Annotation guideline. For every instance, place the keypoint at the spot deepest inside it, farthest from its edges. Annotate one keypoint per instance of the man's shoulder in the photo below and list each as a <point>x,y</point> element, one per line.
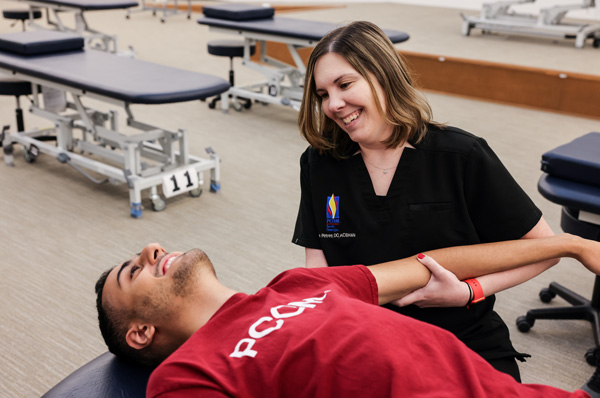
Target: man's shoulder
<point>293,275</point>
<point>354,281</point>
<point>322,273</point>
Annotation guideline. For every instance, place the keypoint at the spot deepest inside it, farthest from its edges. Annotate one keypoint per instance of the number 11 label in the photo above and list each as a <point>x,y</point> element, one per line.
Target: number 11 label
<point>179,182</point>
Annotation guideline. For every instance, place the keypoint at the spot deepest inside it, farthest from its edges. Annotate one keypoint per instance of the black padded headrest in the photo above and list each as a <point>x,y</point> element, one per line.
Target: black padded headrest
<point>578,161</point>
<point>40,42</point>
<point>105,376</point>
<point>238,12</point>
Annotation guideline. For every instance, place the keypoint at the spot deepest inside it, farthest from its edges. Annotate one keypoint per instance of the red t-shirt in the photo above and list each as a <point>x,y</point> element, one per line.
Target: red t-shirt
<point>319,333</point>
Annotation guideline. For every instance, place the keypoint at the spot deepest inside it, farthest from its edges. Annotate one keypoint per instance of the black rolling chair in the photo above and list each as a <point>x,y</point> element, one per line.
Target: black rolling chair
<point>21,15</point>
<point>231,49</point>
<point>572,179</point>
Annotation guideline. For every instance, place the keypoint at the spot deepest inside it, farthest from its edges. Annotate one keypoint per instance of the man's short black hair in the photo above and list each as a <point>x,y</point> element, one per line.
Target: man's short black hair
<point>113,324</point>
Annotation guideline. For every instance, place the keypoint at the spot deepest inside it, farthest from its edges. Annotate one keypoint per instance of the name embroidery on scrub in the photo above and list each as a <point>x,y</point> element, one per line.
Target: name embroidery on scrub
<point>244,346</point>
<point>332,209</point>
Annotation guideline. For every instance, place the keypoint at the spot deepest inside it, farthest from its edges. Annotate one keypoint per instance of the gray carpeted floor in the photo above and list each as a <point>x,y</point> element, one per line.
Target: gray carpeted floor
<point>59,231</point>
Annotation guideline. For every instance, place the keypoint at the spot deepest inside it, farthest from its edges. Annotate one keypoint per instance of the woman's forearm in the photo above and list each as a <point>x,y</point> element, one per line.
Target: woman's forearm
<point>398,278</point>
<point>487,258</point>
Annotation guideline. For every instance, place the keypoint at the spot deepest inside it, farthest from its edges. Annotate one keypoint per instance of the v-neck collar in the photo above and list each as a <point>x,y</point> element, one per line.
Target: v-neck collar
<point>397,186</point>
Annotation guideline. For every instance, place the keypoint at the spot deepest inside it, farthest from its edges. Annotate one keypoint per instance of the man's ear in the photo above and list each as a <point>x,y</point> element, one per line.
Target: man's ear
<point>140,335</point>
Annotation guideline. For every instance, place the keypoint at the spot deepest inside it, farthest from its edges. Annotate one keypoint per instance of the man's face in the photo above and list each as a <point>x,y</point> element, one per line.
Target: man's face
<point>152,285</point>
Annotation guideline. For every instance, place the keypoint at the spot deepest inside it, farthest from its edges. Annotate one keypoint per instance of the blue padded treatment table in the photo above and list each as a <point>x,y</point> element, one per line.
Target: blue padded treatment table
<point>256,24</point>
<point>250,18</point>
<point>126,79</point>
<point>87,5</point>
<point>129,80</point>
<point>144,161</point>
<point>289,27</point>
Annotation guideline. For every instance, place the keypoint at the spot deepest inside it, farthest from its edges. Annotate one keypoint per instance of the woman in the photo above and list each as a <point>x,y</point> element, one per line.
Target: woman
<point>382,180</point>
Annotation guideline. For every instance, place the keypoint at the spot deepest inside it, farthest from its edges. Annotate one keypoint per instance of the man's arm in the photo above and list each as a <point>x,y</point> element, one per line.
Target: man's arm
<point>445,290</point>
<point>397,278</point>
<point>497,282</point>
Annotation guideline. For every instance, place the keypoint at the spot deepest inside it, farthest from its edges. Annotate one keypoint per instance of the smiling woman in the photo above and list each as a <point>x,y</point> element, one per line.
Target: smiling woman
<point>402,183</point>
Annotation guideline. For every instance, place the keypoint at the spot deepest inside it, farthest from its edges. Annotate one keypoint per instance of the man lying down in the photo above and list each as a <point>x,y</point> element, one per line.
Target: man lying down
<point>311,332</point>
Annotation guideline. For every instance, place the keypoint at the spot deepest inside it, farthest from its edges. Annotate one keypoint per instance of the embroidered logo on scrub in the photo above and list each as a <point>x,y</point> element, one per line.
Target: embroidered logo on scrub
<point>333,213</point>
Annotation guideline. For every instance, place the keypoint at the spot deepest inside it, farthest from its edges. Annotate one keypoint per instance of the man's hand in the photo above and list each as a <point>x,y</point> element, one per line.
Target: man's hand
<point>443,289</point>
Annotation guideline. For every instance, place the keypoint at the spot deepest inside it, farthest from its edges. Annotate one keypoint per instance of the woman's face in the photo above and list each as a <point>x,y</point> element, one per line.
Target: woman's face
<point>347,100</point>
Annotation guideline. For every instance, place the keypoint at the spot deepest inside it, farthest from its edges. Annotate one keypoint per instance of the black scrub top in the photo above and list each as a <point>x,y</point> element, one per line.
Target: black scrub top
<point>450,190</point>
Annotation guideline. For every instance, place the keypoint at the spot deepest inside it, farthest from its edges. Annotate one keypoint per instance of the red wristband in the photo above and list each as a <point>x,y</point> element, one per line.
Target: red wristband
<point>477,291</point>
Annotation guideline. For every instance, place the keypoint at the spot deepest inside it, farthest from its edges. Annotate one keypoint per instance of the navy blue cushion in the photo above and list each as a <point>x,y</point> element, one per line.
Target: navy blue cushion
<point>40,42</point>
<point>12,86</point>
<point>577,161</point>
<point>228,48</point>
<point>238,12</point>
<point>21,14</point>
<point>570,193</point>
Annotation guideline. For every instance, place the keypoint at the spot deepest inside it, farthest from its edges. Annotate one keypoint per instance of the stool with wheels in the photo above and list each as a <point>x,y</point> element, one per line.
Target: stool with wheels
<point>10,85</point>
<point>572,179</point>
<point>15,87</point>
<point>21,15</point>
<point>231,49</point>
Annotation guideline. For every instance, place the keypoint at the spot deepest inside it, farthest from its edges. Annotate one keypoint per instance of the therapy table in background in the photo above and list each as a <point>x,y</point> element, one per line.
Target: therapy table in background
<point>166,12</point>
<point>501,16</point>
<point>154,157</point>
<point>259,25</point>
<point>93,38</point>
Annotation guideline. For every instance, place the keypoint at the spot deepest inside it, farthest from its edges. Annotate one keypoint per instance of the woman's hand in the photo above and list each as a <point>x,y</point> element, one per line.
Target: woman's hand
<point>443,289</point>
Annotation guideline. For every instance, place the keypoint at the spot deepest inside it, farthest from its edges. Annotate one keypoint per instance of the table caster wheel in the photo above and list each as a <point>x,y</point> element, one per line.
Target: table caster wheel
<point>194,193</point>
<point>158,203</point>
<point>31,154</point>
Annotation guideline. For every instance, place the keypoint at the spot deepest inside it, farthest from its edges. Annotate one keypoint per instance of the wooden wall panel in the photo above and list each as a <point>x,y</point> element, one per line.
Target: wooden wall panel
<point>550,90</point>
